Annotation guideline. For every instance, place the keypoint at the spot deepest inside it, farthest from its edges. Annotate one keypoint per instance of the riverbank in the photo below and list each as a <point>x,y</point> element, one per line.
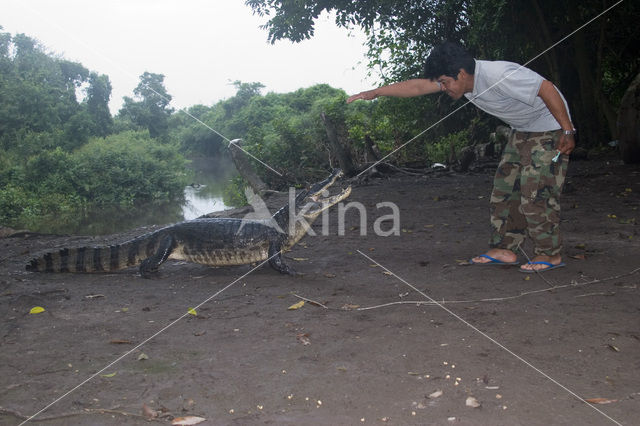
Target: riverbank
<point>365,348</point>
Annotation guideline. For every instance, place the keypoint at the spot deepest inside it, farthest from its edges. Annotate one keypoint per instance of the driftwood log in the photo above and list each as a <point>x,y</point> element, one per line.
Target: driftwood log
<point>341,152</point>
<point>245,168</point>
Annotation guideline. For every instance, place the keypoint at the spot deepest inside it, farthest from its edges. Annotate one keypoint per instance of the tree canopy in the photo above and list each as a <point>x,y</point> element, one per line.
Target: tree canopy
<point>593,66</point>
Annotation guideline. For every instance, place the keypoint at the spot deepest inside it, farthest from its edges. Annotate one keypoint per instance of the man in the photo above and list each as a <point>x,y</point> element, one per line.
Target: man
<point>529,178</point>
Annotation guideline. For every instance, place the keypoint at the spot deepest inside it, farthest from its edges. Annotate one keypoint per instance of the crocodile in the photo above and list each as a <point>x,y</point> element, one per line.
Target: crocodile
<point>207,241</point>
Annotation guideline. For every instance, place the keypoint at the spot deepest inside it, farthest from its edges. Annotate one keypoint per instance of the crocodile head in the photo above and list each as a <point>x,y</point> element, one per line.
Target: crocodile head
<point>318,199</point>
<point>308,205</point>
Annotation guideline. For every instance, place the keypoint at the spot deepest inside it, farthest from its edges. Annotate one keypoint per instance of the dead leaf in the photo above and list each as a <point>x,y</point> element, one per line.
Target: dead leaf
<point>300,259</point>
<point>148,412</point>
<point>142,356</point>
<point>304,338</point>
<point>600,400</point>
<point>187,420</point>
<point>387,273</point>
<point>613,348</point>
<point>328,275</point>
<point>295,306</point>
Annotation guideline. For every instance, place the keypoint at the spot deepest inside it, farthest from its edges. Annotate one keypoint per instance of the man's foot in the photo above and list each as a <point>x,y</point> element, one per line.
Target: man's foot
<point>496,257</point>
<point>542,263</point>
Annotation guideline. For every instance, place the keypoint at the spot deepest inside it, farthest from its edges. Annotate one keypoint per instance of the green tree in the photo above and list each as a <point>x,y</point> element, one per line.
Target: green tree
<point>97,101</point>
<point>150,109</point>
<point>593,67</point>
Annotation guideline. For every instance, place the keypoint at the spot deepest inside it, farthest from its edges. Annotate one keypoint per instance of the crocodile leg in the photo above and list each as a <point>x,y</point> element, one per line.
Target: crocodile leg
<point>150,265</point>
<point>275,260</point>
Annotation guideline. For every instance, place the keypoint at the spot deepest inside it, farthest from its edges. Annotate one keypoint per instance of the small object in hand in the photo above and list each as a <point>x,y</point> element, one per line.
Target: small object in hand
<point>557,157</point>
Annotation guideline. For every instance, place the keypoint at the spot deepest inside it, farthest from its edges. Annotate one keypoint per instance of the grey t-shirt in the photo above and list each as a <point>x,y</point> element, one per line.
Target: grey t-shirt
<point>510,92</point>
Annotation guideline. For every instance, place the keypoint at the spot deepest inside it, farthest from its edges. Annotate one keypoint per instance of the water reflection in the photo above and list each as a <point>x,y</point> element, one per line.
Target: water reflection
<point>200,200</point>
<point>202,197</point>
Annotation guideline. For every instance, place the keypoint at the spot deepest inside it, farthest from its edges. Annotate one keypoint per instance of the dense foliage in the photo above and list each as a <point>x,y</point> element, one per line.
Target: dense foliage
<point>593,66</point>
<point>61,149</point>
<point>59,154</point>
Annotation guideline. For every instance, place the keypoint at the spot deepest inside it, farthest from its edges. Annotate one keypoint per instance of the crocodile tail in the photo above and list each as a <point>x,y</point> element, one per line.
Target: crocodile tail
<point>96,259</point>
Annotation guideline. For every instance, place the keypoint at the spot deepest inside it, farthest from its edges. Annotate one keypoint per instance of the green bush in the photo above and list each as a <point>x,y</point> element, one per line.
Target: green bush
<point>447,147</point>
<point>233,193</point>
<point>127,168</point>
<point>120,169</point>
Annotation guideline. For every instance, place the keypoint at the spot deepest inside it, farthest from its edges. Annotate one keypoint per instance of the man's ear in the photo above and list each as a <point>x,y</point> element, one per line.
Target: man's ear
<point>467,78</point>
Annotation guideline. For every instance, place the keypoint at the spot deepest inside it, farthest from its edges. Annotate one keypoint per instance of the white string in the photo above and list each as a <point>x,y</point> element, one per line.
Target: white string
<point>130,75</point>
<point>162,330</point>
<point>491,339</point>
<point>490,87</point>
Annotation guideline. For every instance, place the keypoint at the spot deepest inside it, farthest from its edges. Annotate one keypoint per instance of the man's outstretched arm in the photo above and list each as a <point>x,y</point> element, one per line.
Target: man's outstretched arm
<point>403,89</point>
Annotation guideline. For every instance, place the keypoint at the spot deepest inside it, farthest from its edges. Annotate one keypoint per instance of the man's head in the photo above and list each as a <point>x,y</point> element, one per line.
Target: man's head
<point>453,67</point>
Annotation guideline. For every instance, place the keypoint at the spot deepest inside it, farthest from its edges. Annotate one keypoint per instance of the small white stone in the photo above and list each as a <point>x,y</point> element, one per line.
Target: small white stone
<point>472,402</point>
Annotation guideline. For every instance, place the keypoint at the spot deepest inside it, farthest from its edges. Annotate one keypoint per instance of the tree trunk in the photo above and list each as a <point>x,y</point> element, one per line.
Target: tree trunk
<point>371,153</point>
<point>342,154</point>
<point>245,168</point>
<point>629,123</point>
<point>589,116</point>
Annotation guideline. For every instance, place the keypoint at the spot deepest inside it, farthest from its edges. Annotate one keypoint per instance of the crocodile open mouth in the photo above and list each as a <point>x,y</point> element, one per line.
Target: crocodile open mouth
<point>320,203</point>
<point>319,198</point>
<point>319,189</point>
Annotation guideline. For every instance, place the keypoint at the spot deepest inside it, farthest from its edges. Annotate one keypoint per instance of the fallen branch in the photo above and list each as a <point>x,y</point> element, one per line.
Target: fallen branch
<point>19,415</point>
<point>313,302</point>
<point>500,299</point>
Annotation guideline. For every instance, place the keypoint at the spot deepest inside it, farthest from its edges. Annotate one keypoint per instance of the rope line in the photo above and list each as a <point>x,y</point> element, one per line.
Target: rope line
<point>132,76</point>
<point>492,86</point>
<point>491,339</point>
<point>145,341</point>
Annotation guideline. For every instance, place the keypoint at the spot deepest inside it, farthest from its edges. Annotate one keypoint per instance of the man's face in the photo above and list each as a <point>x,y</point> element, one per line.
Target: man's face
<point>455,88</point>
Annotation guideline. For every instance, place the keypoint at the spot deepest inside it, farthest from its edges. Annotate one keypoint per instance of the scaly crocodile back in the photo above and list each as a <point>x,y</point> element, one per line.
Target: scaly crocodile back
<point>98,259</point>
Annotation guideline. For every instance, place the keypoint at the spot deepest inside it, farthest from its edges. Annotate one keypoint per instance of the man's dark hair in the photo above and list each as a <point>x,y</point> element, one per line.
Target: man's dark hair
<point>447,59</point>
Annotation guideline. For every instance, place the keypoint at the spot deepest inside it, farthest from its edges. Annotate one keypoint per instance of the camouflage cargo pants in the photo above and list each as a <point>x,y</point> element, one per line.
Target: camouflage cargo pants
<point>526,192</point>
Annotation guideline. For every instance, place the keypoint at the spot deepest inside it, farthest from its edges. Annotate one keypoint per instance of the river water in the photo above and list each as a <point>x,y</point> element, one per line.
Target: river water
<point>203,196</point>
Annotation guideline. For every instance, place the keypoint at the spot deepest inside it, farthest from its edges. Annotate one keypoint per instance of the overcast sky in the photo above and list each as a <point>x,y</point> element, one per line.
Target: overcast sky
<point>200,46</point>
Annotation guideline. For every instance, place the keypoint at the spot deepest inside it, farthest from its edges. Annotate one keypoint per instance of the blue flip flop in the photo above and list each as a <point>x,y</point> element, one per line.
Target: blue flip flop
<point>549,267</point>
<point>492,261</point>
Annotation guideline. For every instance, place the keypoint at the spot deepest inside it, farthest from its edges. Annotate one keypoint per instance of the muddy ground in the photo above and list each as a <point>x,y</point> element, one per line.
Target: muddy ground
<point>108,345</point>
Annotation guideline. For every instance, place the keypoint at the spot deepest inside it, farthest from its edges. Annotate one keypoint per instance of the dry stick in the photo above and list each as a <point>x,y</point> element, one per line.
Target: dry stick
<point>501,299</point>
<point>162,330</point>
<point>491,339</point>
<point>313,302</point>
<point>86,411</point>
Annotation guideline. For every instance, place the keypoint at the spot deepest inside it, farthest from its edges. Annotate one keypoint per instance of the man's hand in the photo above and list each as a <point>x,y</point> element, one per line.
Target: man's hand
<point>366,95</point>
<point>566,143</point>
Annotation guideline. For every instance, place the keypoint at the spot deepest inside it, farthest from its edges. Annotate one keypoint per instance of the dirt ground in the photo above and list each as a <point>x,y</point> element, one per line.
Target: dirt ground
<point>114,349</point>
